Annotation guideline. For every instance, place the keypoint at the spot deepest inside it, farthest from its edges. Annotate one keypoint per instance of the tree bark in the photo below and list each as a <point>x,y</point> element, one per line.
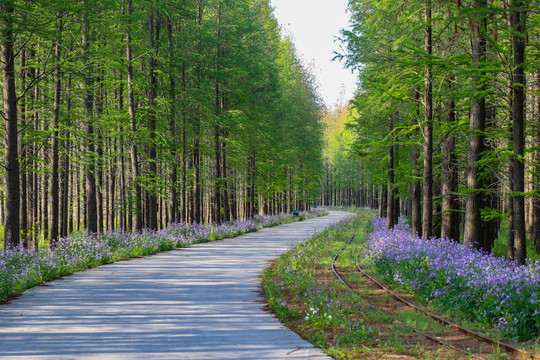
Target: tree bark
<point>518,89</point>
<point>473,222</point>
<point>91,207</point>
<point>137,223</point>
<point>391,220</point>
<point>427,219</point>
<point>11,229</point>
<point>536,181</point>
<point>152,211</point>
<point>55,157</point>
<point>23,152</point>
<point>218,104</point>
<point>197,193</point>
<point>450,204</point>
<point>173,210</point>
<point>416,215</point>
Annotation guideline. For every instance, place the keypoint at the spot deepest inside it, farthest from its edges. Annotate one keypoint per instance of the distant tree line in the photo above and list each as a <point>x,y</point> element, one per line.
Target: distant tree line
<point>347,179</point>
<point>135,114</point>
<point>449,111</point>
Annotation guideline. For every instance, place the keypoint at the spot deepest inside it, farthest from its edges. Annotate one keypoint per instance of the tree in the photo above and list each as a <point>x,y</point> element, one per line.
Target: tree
<point>11,229</point>
<point>518,90</point>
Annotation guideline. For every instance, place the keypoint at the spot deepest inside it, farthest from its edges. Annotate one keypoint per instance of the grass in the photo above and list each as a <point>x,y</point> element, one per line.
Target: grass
<point>303,292</point>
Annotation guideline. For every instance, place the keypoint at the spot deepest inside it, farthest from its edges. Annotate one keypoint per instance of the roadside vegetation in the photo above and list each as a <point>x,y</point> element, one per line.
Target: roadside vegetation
<point>303,292</point>
<point>22,268</point>
<point>477,286</point>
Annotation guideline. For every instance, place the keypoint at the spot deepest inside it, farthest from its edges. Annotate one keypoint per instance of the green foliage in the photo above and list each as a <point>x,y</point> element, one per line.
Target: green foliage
<point>212,79</point>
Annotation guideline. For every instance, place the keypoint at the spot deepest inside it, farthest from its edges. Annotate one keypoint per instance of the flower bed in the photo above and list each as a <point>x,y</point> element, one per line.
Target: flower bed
<point>21,268</point>
<point>292,274</point>
<point>482,287</point>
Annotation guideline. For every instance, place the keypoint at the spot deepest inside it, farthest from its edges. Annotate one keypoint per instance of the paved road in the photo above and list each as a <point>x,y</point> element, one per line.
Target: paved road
<point>200,302</point>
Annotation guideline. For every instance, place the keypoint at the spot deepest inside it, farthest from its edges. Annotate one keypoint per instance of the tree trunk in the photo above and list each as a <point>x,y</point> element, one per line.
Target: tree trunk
<point>55,158</point>
<point>91,208</point>
<point>173,211</point>
<point>518,89</point>
<point>450,204</point>
<point>536,181</point>
<point>218,104</point>
<point>197,193</point>
<point>226,205</point>
<point>427,219</point>
<point>152,210</point>
<point>11,229</point>
<point>391,220</point>
<point>137,224</point>
<point>24,174</point>
<point>65,217</point>
<point>416,184</point>
<point>473,222</point>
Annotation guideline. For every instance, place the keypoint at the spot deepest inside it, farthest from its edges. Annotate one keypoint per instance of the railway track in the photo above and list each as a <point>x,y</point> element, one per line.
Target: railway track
<point>512,351</point>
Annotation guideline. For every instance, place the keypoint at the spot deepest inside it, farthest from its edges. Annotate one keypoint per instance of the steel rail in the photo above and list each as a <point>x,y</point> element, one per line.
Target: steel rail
<point>493,342</point>
<point>428,336</point>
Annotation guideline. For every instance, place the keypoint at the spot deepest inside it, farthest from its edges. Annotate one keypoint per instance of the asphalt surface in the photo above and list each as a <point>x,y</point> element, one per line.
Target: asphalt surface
<point>200,302</point>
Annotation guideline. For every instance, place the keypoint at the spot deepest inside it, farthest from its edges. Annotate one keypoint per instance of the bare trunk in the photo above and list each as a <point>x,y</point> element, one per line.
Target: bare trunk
<point>11,229</point>
<point>473,222</point>
<point>137,223</point>
<point>416,185</point>
<point>55,158</point>
<point>518,86</point>
<point>391,220</point>
<point>152,210</point>
<point>91,208</point>
<point>427,223</point>
<point>197,194</point>
<point>450,204</point>
<point>536,181</point>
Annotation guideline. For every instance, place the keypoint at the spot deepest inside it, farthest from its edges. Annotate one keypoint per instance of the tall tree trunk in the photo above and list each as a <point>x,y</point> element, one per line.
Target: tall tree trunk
<point>173,210</point>
<point>473,222</point>
<point>197,194</point>
<point>518,86</point>
<point>450,203</point>
<point>24,174</point>
<point>36,170</point>
<point>536,181</point>
<point>383,204</point>
<point>226,205</point>
<point>11,229</point>
<point>218,104</point>
<point>427,219</point>
<point>251,205</point>
<point>184,195</point>
<point>111,206</point>
<point>391,220</point>
<point>91,208</point>
<point>137,224</point>
<point>65,176</point>
<point>417,174</point>
<point>152,211</point>
<point>55,157</point>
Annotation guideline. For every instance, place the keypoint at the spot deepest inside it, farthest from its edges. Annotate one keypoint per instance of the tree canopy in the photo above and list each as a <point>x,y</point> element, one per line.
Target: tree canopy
<point>139,113</point>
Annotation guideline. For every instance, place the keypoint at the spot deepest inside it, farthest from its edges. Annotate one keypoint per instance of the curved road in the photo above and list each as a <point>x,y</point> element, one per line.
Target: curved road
<point>200,302</point>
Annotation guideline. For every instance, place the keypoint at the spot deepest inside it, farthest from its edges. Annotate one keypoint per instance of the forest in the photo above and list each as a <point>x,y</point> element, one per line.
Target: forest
<point>446,125</point>
<point>136,114</point>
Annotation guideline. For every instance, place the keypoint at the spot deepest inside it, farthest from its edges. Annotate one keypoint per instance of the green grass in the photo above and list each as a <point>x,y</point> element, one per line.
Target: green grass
<point>348,331</point>
<point>500,247</point>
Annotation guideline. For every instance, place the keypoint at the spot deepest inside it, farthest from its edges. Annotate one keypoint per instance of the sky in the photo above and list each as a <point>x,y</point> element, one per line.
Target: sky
<point>313,26</point>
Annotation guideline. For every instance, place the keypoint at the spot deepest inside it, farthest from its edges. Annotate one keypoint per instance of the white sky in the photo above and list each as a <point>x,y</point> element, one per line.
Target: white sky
<point>314,25</point>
